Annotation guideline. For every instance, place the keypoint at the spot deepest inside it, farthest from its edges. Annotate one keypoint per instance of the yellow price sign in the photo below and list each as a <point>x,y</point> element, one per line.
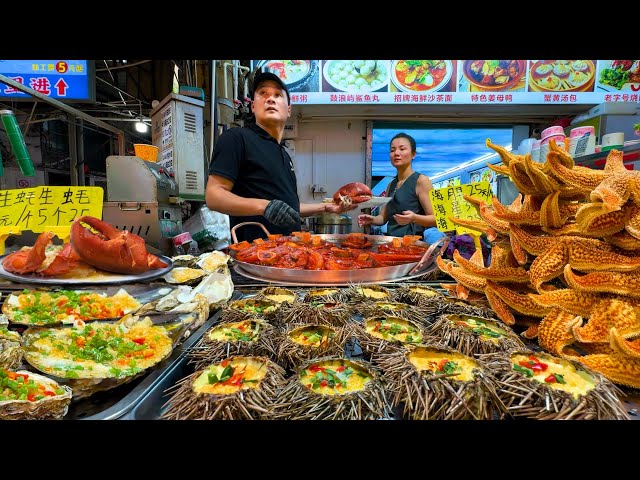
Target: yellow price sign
<point>449,202</point>
<point>48,208</point>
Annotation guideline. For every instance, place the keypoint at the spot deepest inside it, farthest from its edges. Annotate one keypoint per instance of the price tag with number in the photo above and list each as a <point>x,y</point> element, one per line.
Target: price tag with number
<point>449,202</point>
<point>47,208</point>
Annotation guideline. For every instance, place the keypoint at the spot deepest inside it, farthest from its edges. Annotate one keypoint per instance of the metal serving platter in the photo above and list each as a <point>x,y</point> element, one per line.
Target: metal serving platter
<point>101,279</point>
<point>289,276</point>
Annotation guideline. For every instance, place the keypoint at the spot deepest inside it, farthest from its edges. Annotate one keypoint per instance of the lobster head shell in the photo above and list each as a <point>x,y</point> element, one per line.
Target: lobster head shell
<point>351,193</point>
<point>110,249</point>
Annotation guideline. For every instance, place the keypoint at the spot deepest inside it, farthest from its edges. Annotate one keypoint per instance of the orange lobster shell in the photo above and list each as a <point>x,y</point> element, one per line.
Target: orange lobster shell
<point>350,193</point>
<point>111,249</point>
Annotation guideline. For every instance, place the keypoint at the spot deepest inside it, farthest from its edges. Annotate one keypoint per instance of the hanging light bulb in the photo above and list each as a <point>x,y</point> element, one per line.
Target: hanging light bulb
<point>141,126</point>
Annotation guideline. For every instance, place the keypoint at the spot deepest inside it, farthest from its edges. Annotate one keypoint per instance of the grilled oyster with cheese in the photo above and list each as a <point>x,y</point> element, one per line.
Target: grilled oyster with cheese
<point>541,386</point>
<point>471,334</point>
<point>250,336</point>
<point>333,388</point>
<point>29,396</point>
<point>98,355</point>
<point>10,349</point>
<point>443,384</point>
<point>38,307</point>
<point>235,388</point>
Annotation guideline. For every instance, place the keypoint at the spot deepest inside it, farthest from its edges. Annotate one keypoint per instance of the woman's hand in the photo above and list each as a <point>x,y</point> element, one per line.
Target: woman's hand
<point>333,208</point>
<point>365,219</point>
<point>404,218</point>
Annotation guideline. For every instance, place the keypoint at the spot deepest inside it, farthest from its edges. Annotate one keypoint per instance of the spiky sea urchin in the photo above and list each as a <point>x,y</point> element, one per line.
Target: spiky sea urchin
<point>328,294</point>
<point>358,293</point>
<point>395,309</point>
<point>298,344</point>
<point>236,388</point>
<point>544,387</point>
<point>386,333</point>
<point>251,336</point>
<point>279,295</point>
<point>249,308</point>
<point>470,334</point>
<point>333,388</point>
<point>316,312</point>
<point>454,305</point>
<point>439,383</point>
<point>420,295</point>
<point>10,349</point>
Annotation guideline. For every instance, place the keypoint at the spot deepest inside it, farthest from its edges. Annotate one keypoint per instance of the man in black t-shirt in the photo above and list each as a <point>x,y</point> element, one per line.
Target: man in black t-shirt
<point>251,175</point>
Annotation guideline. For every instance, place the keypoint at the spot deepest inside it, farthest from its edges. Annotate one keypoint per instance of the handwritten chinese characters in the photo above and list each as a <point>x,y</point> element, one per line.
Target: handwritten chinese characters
<point>449,202</point>
<point>39,208</point>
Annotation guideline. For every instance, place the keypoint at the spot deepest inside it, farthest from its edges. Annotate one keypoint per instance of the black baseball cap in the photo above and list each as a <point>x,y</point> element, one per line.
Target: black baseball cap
<point>260,77</point>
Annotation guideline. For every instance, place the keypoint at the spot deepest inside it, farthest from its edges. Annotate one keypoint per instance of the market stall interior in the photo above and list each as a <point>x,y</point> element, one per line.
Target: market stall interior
<point>138,302</point>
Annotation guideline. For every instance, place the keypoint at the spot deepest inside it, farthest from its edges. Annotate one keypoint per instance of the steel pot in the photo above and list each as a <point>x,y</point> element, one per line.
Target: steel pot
<point>331,223</point>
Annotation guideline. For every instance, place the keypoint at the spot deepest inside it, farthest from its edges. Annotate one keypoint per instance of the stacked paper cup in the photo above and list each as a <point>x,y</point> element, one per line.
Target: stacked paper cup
<point>552,133</point>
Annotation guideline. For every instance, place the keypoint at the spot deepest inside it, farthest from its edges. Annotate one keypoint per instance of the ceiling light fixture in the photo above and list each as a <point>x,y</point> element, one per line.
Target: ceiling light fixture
<point>141,127</point>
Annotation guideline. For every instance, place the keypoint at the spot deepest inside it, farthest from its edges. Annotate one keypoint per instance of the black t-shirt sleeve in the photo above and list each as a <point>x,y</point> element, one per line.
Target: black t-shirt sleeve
<point>228,156</point>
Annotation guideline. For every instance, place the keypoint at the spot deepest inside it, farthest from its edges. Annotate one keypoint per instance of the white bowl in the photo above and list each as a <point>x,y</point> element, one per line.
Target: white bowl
<point>350,75</point>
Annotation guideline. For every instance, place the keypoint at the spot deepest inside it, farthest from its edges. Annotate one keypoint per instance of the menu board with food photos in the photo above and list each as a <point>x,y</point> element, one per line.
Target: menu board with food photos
<point>457,81</point>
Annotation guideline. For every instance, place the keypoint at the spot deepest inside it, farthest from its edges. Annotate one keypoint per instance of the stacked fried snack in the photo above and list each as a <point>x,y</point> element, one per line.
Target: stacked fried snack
<point>566,251</point>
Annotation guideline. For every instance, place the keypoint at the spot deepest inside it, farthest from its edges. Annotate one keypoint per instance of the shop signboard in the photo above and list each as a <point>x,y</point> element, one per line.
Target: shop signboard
<point>64,80</point>
<point>457,81</point>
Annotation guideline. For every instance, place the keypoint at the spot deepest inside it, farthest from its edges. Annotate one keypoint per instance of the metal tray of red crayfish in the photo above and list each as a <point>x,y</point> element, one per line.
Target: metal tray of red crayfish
<point>422,264</point>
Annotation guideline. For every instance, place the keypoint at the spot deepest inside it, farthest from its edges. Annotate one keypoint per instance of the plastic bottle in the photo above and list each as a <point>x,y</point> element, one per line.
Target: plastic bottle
<point>193,249</point>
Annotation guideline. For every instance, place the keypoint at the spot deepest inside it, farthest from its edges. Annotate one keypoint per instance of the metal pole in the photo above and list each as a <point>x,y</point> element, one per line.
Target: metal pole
<point>72,111</point>
<point>73,149</point>
<point>80,169</point>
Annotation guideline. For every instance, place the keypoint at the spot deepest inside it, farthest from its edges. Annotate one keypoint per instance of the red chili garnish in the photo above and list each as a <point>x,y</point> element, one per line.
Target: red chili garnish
<point>340,368</point>
<point>442,364</point>
<point>139,340</point>
<point>551,379</point>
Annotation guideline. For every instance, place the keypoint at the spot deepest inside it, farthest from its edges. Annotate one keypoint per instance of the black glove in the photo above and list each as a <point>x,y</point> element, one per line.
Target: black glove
<point>282,215</point>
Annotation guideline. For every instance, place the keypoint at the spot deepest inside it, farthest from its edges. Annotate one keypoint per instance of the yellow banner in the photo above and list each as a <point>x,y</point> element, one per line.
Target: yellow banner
<point>449,202</point>
<point>43,208</point>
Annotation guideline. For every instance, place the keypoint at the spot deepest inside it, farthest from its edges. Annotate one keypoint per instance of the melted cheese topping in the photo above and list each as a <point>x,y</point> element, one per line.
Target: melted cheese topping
<point>312,335</point>
<point>391,306</point>
<point>438,362</point>
<point>485,330</point>
<point>66,306</point>
<point>423,291</point>
<point>324,292</point>
<point>98,350</point>
<point>182,275</point>
<point>393,328</point>
<point>253,306</point>
<point>371,293</point>
<point>245,331</point>
<point>231,376</point>
<point>578,382</point>
<point>334,377</point>
<point>280,298</point>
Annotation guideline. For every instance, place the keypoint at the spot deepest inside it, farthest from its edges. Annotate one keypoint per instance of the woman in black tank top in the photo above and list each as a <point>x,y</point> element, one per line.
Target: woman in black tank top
<point>409,211</point>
